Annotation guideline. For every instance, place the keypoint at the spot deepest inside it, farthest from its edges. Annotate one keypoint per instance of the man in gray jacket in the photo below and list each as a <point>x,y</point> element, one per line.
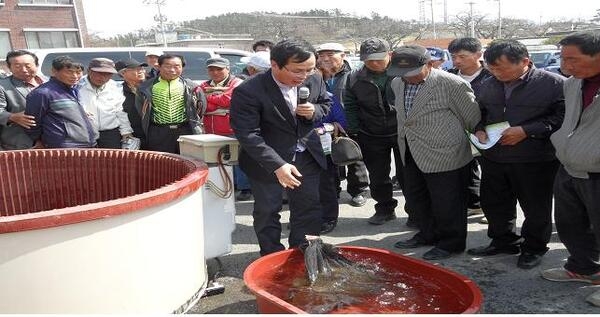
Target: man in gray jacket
<point>577,182</point>
<point>434,109</point>
<point>13,90</point>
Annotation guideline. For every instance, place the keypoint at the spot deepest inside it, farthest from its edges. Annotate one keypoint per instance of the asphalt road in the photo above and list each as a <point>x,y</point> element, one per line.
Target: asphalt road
<point>506,288</point>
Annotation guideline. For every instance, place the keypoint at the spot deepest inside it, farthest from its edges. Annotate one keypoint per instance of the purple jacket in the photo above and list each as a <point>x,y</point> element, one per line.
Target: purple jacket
<point>60,119</point>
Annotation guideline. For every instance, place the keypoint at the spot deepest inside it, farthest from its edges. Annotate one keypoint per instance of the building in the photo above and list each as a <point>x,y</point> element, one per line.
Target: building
<point>41,24</point>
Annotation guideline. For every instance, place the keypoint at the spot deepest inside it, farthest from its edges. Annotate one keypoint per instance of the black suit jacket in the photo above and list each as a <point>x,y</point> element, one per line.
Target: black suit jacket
<point>267,130</point>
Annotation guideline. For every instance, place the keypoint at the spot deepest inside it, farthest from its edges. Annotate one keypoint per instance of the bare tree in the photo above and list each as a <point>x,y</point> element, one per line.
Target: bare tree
<point>596,18</point>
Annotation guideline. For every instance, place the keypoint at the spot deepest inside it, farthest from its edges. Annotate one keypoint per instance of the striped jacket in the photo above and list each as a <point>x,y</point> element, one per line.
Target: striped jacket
<point>435,127</point>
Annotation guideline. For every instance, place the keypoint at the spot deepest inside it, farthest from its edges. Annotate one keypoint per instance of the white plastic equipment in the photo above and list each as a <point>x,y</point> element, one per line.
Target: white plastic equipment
<point>219,153</point>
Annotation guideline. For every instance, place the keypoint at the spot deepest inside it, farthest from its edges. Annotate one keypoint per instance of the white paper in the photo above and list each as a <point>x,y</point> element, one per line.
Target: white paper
<point>326,142</point>
<point>494,133</point>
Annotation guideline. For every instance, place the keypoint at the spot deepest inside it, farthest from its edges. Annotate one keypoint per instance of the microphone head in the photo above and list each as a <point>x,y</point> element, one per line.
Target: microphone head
<point>303,93</point>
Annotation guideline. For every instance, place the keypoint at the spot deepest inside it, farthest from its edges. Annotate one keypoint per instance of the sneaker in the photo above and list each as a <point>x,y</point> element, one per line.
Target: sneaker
<point>594,298</point>
<point>358,201</point>
<point>379,219</point>
<point>562,275</point>
<point>245,195</point>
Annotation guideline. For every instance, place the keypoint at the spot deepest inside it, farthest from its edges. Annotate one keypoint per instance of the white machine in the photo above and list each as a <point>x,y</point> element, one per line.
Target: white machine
<point>219,153</point>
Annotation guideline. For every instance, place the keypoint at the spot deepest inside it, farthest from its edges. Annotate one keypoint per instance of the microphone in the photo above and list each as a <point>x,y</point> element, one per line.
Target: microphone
<point>303,94</point>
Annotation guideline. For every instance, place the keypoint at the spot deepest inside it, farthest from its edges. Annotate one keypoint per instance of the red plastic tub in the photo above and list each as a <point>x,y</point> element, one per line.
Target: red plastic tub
<point>453,293</point>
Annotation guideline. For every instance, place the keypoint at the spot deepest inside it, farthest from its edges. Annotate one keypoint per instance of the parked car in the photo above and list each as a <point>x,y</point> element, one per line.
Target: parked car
<point>195,57</point>
<point>354,61</point>
<point>234,56</point>
<point>543,59</point>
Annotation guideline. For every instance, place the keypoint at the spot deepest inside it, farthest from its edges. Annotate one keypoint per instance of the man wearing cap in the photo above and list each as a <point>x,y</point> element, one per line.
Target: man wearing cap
<point>61,121</point>
<point>372,122</point>
<point>434,110</point>
<point>258,62</point>
<point>103,100</point>
<point>169,106</point>
<point>218,90</point>
<point>152,61</point>
<point>335,70</point>
<point>133,74</point>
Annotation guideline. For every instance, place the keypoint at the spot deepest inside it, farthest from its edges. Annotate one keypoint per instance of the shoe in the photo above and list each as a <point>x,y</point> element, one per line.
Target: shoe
<point>328,226</point>
<point>474,210</point>
<point>245,195</point>
<point>358,201</point>
<point>411,224</point>
<point>379,219</point>
<point>411,243</point>
<point>594,298</point>
<point>529,260</point>
<point>436,254</point>
<point>563,275</point>
<point>483,221</point>
<point>493,250</point>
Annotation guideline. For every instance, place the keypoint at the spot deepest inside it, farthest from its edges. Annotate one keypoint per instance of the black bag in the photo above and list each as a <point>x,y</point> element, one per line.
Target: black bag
<point>344,150</point>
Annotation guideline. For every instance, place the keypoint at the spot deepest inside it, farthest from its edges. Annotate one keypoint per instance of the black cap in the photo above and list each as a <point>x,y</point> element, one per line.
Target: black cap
<point>373,49</point>
<point>408,61</point>
<point>217,62</point>
<point>130,63</point>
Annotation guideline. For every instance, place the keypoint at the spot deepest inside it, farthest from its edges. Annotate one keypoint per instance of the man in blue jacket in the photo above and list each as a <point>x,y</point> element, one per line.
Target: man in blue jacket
<point>61,121</point>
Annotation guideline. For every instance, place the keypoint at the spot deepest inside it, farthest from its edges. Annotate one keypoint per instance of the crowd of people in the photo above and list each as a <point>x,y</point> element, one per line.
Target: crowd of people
<point>290,98</point>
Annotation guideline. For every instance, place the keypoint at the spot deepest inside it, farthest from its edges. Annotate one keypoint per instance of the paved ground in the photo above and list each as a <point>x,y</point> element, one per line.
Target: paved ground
<point>506,288</point>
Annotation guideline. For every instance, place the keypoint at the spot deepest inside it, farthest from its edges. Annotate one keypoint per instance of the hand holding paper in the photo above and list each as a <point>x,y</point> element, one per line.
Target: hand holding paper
<point>494,133</point>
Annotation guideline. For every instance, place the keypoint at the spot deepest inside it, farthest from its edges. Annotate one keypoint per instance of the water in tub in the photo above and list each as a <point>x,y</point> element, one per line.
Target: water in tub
<point>334,281</point>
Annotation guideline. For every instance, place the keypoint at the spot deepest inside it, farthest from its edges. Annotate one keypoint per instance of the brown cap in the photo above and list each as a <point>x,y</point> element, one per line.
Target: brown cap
<point>102,65</point>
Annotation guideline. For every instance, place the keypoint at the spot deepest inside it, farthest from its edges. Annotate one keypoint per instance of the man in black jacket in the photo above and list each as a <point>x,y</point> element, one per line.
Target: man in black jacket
<point>522,165</point>
<point>372,121</point>
<point>466,54</point>
<point>279,148</point>
<point>133,74</point>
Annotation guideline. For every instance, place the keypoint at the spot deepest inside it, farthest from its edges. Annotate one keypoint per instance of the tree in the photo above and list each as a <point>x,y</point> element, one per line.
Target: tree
<point>596,18</point>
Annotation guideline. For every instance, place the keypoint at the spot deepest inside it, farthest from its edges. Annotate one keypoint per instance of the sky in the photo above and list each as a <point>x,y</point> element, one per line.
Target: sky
<point>111,17</point>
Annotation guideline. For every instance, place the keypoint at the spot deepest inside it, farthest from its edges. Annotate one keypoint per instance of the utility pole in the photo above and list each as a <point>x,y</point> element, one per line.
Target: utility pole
<point>160,18</point>
<point>446,12</point>
<point>499,19</point>
<point>433,20</point>
<point>472,20</point>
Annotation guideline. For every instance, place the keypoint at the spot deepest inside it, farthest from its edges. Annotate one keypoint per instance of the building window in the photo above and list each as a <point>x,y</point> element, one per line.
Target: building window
<point>43,2</point>
<point>52,39</point>
<point>5,46</point>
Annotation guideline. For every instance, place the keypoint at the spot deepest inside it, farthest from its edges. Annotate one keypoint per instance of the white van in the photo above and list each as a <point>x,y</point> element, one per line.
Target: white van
<point>195,57</point>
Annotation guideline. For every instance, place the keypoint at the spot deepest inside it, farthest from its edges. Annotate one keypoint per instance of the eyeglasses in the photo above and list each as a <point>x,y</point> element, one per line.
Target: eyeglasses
<point>300,72</point>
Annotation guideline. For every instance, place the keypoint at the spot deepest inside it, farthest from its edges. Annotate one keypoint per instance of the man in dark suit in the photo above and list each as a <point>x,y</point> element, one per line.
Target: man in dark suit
<point>13,90</point>
<point>279,149</point>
